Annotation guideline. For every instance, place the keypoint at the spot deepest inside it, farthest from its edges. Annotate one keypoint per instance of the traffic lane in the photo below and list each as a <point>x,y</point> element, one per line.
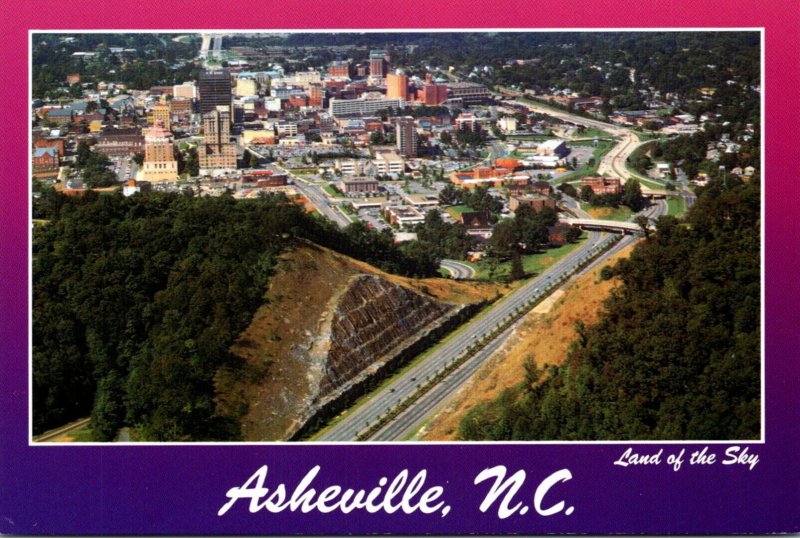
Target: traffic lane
<point>457,269</point>
<point>349,428</point>
<point>445,355</point>
<point>411,419</point>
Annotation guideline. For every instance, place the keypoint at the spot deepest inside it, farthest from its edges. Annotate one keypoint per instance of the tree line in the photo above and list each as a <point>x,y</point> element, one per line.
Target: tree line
<point>136,301</point>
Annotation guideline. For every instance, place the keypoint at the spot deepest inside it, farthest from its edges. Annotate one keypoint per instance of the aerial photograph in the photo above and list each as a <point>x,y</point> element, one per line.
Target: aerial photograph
<point>429,236</point>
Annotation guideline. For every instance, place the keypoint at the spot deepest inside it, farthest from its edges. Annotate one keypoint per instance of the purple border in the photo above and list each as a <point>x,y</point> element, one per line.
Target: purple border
<point>170,490</point>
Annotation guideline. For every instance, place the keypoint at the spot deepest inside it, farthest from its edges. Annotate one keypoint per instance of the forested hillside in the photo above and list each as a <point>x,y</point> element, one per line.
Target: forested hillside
<point>137,300</point>
<point>676,354</point>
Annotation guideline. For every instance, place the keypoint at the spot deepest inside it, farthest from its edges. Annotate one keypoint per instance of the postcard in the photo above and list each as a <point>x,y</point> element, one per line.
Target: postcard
<point>475,270</point>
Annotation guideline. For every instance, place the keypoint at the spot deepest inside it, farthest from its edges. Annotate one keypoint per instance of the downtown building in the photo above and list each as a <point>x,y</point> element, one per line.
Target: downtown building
<point>378,63</point>
<point>214,88</point>
<point>217,152</point>
<point>160,165</point>
<point>364,106</point>
<point>470,93</point>
<point>397,85</point>
<point>406,137</point>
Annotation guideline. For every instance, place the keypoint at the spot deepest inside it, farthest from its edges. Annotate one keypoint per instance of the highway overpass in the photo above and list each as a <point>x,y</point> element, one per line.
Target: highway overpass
<point>605,225</point>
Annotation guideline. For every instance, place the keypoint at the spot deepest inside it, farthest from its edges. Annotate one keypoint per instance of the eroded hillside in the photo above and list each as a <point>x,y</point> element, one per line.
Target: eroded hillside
<point>327,322</point>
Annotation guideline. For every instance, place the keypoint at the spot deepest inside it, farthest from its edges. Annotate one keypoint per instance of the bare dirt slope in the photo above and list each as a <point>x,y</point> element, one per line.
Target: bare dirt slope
<point>320,308</point>
<point>544,334</point>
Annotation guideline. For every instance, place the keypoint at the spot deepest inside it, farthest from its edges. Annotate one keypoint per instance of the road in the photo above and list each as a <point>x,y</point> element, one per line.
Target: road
<point>315,195</point>
<point>358,420</point>
<point>613,163</point>
<point>459,270</point>
<point>407,423</point>
<point>615,130</point>
<point>52,435</point>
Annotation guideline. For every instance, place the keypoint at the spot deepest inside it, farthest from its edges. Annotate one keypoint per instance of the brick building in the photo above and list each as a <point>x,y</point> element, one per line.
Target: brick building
<point>602,185</point>
<point>537,202</point>
<point>45,162</point>
<point>119,142</point>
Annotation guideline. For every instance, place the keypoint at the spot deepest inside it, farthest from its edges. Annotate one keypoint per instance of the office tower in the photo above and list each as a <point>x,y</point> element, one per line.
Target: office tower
<point>378,63</point>
<point>397,85</point>
<point>406,136</point>
<point>217,152</point>
<point>215,90</point>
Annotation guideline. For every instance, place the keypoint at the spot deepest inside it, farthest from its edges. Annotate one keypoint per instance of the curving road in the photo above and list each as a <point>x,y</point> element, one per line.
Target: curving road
<point>458,269</point>
<point>613,163</point>
<point>380,403</point>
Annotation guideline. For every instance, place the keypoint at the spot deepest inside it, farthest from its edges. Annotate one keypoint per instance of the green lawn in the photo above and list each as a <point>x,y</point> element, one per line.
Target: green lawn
<point>331,191</point>
<point>591,133</point>
<point>531,137</point>
<point>620,213</point>
<point>676,206</point>
<point>456,210</point>
<point>533,264</point>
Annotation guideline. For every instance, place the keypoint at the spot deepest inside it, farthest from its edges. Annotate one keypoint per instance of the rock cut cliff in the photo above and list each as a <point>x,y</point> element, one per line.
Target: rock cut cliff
<point>329,322</point>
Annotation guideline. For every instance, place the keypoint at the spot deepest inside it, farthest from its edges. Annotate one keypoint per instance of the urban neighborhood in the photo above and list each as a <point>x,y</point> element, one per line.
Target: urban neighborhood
<point>396,236</point>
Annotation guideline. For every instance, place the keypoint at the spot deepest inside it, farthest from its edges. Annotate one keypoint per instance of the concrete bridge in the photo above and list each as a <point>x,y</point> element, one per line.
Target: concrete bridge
<point>605,225</point>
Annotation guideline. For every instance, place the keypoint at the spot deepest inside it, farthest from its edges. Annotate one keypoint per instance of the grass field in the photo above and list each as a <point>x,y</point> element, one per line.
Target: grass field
<point>676,206</point>
<point>456,210</point>
<point>620,213</point>
<point>591,133</point>
<point>533,264</point>
<point>330,191</point>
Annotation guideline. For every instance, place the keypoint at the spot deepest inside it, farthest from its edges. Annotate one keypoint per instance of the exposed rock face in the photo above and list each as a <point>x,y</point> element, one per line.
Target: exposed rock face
<point>372,318</point>
<point>325,329</point>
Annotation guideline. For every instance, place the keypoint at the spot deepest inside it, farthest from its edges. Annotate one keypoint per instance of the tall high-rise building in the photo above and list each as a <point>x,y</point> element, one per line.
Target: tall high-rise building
<point>215,90</point>
<point>397,85</point>
<point>378,63</point>
<point>406,136</point>
<point>159,164</point>
<point>161,113</point>
<point>217,151</point>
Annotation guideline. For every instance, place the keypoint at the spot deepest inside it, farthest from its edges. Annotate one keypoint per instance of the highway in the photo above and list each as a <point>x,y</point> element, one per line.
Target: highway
<point>458,269</point>
<point>615,130</point>
<point>613,163</point>
<point>380,403</point>
<point>317,197</point>
<point>52,435</point>
<point>407,423</point>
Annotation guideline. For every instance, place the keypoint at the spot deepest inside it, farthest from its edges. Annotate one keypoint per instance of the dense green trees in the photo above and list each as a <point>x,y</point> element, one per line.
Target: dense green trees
<point>94,167</point>
<point>676,354</point>
<point>443,239</point>
<point>137,300</point>
<point>630,196</point>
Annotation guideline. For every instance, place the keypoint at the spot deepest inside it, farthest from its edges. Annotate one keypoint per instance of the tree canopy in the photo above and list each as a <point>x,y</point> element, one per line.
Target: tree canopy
<point>676,353</point>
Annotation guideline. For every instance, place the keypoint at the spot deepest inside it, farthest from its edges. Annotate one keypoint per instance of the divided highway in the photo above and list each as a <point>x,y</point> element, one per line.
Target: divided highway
<point>407,423</point>
<point>380,403</point>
